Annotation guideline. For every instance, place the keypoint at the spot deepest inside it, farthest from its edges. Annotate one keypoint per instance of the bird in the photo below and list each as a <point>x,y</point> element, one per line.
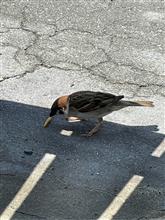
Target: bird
<point>86,105</point>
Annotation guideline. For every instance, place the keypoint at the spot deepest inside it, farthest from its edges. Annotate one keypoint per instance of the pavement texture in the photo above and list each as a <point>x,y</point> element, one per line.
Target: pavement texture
<point>50,48</point>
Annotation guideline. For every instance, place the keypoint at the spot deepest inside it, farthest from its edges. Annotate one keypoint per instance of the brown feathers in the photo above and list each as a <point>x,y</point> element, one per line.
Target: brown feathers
<point>137,103</point>
<point>88,104</point>
<point>145,103</point>
<point>62,101</point>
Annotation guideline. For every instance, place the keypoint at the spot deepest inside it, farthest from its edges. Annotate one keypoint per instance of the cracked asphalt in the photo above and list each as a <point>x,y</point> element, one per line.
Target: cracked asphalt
<point>50,48</point>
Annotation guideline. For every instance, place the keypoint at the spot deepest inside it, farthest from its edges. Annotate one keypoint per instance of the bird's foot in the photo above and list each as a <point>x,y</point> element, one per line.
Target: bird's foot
<point>90,133</point>
<point>94,130</point>
<point>87,134</point>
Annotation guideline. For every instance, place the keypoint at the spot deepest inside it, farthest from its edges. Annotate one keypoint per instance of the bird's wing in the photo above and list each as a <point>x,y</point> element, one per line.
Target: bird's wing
<point>87,101</point>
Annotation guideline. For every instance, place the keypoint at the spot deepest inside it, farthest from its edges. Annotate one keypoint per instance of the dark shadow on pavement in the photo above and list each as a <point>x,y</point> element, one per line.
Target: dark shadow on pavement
<point>87,173</point>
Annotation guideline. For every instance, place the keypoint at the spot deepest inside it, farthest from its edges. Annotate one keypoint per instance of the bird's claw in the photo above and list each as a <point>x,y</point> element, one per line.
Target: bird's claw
<point>88,134</point>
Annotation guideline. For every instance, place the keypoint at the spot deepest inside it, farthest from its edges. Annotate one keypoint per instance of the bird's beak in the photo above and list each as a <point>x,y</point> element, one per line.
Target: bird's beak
<point>47,122</point>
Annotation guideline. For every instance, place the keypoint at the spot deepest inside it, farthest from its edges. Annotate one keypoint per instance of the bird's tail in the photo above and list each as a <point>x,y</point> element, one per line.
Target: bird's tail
<point>144,103</point>
<point>139,103</point>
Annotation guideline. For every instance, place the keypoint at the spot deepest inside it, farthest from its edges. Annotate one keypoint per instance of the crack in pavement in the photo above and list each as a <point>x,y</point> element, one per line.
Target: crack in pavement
<point>91,69</point>
<point>18,76</point>
<point>80,67</point>
<point>32,215</point>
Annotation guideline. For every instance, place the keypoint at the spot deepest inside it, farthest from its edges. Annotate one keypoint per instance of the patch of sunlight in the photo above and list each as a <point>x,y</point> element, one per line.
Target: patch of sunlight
<point>154,16</point>
<point>66,133</point>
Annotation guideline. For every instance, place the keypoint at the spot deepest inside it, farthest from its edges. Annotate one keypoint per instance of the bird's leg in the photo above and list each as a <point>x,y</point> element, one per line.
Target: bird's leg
<point>95,129</point>
<point>66,117</point>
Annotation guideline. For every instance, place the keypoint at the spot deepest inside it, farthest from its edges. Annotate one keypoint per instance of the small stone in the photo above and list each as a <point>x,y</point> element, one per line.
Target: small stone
<point>28,152</point>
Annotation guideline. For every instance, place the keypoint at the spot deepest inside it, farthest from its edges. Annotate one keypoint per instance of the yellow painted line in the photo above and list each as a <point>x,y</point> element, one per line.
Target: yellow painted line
<point>28,186</point>
<point>160,150</point>
<point>121,198</point>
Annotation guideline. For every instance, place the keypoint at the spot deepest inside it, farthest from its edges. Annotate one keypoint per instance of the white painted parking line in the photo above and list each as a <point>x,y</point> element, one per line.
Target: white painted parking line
<point>121,198</point>
<point>160,150</point>
<point>28,186</point>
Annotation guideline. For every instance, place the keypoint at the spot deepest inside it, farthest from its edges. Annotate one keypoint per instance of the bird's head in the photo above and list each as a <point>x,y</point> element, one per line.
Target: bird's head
<point>58,107</point>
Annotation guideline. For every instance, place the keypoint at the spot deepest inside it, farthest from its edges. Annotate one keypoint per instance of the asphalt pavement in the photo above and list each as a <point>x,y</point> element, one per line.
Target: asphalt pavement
<point>52,48</point>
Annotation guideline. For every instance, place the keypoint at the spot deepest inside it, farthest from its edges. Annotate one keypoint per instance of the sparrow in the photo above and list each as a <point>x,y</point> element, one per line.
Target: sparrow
<point>85,105</point>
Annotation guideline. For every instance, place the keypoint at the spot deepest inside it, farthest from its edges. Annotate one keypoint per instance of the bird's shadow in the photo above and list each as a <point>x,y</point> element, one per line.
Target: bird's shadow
<point>87,173</point>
